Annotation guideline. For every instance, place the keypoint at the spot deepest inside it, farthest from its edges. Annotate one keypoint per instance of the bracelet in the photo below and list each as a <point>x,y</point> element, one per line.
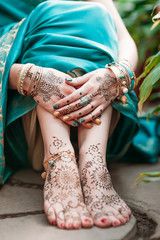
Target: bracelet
<point>125,77</point>
<point>22,77</point>
<point>129,67</point>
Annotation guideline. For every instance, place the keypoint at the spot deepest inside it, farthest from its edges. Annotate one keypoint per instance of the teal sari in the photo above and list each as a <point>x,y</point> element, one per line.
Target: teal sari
<point>69,36</point>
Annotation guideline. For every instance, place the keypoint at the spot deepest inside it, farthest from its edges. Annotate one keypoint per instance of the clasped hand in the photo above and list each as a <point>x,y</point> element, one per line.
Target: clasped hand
<point>94,92</point>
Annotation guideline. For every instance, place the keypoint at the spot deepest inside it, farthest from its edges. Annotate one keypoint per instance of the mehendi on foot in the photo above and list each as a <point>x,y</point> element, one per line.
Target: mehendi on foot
<point>63,199</point>
<point>102,201</point>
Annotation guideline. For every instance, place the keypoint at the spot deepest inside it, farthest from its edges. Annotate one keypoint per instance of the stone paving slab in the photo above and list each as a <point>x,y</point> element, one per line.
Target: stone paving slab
<point>28,176</point>
<point>144,194</point>
<point>15,199</point>
<point>37,227</point>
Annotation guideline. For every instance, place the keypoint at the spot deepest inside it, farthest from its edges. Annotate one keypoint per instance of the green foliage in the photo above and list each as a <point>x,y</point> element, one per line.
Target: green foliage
<point>152,76</point>
<point>136,15</point>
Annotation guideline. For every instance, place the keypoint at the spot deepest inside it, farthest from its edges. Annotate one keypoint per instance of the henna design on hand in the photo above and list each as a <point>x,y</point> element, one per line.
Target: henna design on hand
<point>47,85</point>
<point>108,87</point>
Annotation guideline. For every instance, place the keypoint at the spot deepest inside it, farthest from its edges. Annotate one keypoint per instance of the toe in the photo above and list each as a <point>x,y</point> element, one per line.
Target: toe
<point>49,210</point>
<point>76,220</point>
<point>101,220</point>
<point>68,220</point>
<point>86,220</point>
<point>59,211</point>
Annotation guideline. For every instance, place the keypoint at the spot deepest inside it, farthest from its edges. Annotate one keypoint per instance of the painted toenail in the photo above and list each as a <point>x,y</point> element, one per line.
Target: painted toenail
<point>87,220</point>
<point>62,225</point>
<point>116,223</point>
<point>104,220</point>
<point>122,221</point>
<point>53,223</point>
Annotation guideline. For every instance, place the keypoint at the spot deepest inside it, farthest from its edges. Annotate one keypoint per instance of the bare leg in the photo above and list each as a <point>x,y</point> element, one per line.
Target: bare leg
<point>103,203</point>
<point>63,199</point>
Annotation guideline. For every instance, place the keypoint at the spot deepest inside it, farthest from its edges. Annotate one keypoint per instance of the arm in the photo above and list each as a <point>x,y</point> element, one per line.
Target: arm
<point>127,47</point>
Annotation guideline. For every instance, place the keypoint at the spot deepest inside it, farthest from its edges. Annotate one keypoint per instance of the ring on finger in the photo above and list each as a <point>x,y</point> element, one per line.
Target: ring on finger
<point>84,101</point>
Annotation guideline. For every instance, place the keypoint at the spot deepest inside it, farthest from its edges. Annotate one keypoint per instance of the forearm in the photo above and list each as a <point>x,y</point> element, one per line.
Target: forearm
<point>13,76</point>
<point>127,47</point>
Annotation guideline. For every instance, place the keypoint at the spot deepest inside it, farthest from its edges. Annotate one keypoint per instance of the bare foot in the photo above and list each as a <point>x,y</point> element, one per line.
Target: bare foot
<point>102,201</point>
<point>63,199</point>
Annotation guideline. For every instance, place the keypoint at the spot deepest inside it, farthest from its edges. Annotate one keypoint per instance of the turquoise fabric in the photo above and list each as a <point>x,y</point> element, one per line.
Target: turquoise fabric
<point>64,35</point>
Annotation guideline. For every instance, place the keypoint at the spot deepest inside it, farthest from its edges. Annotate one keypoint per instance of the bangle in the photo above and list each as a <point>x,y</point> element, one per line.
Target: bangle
<point>129,68</point>
<point>21,78</point>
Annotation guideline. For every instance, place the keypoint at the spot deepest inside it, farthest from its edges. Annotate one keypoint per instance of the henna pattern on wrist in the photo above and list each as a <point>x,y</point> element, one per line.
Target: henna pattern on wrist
<point>108,87</point>
<point>47,85</point>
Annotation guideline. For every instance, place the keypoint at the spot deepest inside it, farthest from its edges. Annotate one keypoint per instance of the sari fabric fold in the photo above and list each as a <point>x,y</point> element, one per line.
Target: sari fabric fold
<point>69,36</point>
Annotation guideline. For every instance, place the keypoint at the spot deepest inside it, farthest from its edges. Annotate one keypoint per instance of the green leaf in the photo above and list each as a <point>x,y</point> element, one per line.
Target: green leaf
<point>154,60</point>
<point>155,110</point>
<point>155,24</point>
<point>151,179</point>
<point>154,96</point>
<point>149,81</point>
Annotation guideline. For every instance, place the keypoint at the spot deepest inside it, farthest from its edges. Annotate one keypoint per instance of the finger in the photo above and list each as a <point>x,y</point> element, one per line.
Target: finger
<point>97,121</point>
<point>82,91</point>
<point>76,82</point>
<point>71,122</point>
<point>95,113</point>
<point>70,108</point>
<point>83,111</point>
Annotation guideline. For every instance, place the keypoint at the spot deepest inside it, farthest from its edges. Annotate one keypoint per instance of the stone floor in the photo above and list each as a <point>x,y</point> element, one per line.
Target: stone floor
<point>22,216</point>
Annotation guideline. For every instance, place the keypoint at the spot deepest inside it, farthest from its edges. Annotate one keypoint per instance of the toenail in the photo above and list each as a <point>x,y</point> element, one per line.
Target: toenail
<point>116,223</point>
<point>122,221</point>
<point>70,225</point>
<point>104,220</point>
<point>53,223</point>
<point>62,225</point>
<point>87,220</point>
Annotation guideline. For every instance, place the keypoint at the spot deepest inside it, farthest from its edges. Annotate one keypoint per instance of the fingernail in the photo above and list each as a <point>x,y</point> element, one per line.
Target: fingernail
<point>87,220</point>
<point>75,124</point>
<point>55,106</point>
<point>89,125</point>
<point>56,114</point>
<point>98,121</point>
<point>104,220</point>
<point>81,120</point>
<point>66,118</point>
<point>69,79</point>
<point>53,223</point>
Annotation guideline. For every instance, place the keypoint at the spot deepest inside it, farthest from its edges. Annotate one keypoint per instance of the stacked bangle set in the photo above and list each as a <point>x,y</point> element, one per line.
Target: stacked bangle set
<point>22,77</point>
<point>125,77</point>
